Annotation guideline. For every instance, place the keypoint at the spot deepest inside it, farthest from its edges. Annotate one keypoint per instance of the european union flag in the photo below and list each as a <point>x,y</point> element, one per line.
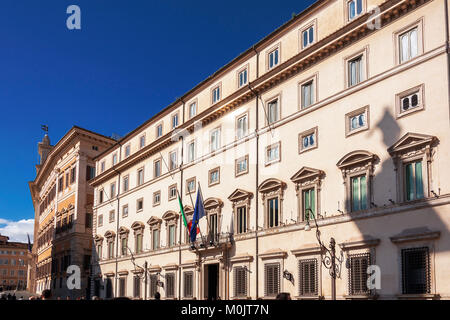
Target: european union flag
<point>199,212</point>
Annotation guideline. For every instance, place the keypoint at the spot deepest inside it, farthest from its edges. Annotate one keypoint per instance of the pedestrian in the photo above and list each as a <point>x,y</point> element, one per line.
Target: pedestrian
<point>46,294</point>
<point>67,298</point>
<point>157,296</point>
<point>9,296</point>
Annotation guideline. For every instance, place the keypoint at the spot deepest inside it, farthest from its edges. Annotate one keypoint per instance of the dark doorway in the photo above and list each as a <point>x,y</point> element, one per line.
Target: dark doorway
<point>212,281</point>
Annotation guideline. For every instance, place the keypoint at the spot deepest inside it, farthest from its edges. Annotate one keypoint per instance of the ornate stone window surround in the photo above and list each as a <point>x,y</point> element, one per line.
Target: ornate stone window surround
<point>306,252</point>
<point>270,189</point>
<point>123,234</point>
<point>243,261</point>
<point>412,147</point>
<point>308,178</point>
<point>155,224</point>
<point>99,242</point>
<point>138,228</point>
<point>355,164</point>
<point>214,206</point>
<point>240,198</point>
<point>171,219</point>
<point>110,238</point>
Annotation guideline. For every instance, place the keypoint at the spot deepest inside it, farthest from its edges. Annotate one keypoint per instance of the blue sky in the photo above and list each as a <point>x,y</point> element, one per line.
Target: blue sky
<point>130,59</point>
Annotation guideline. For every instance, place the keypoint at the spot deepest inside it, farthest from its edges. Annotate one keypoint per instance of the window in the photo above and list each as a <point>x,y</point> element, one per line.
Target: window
<point>136,287</point>
<point>90,172</point>
<point>102,166</point>
<point>357,121</point>
<point>214,141</point>
<point>100,220</point>
<point>272,111</point>
<point>188,284</point>
<point>307,36</point>
<point>413,181</point>
<point>241,166</point>
<point>241,126</point>
<point>159,131</point>
<point>409,101</point>
<point>354,8</point>
<point>273,153</point>
<point>172,192</point>
<point>173,160</point>
<point>416,271</point>
<point>110,249</point>
<point>307,140</point>
<point>73,175</point>
<point>88,220</point>
<point>355,71</point>
<point>212,225</point>
<point>111,216</point>
<point>242,77</point>
<point>170,285</point>
<point>125,211</point>
<point>191,152</point>
<point>126,183</point>
<point>156,198</point>
<point>124,244</point>
<point>139,205</point>
<point>60,184</point>
<point>216,94</point>
<point>155,239</point>
<point>175,121</point>
<point>214,176</point>
<point>358,273</point>
<point>138,243</point>
<point>307,91</point>
<point>142,141</point>
<point>272,279</point>
<point>99,251</point>
<point>114,159</point>
<point>190,185</point>
<point>192,109</point>
<point>113,189</point>
<point>157,168</point>
<point>273,58</point>
<point>67,178</point>
<point>272,212</point>
<point>153,284</point>
<point>359,193</point>
<point>140,176</point>
<point>172,236</point>
<point>122,287</point>
<point>308,277</point>
<point>127,151</point>
<point>309,203</point>
<point>241,213</point>
<point>408,44</point>
<point>240,281</point>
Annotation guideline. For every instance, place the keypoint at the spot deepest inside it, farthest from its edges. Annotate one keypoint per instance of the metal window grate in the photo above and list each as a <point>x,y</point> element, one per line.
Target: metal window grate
<point>240,282</point>
<point>416,270</point>
<point>188,284</point>
<point>358,273</point>
<point>170,285</point>
<point>308,277</point>
<point>272,279</point>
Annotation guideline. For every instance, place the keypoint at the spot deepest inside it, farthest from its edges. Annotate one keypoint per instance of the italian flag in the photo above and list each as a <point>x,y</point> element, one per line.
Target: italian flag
<point>186,224</point>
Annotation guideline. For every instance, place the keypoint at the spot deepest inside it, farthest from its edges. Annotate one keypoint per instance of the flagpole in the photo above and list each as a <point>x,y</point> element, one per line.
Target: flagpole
<point>203,204</point>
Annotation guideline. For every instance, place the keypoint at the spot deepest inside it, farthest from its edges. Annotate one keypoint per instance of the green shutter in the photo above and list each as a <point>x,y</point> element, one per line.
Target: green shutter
<point>312,203</point>
<point>363,193</point>
<point>355,194</point>
<point>419,182</point>
<point>409,182</point>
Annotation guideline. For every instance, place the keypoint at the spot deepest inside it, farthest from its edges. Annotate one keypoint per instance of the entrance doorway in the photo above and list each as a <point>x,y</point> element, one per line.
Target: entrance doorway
<point>211,281</point>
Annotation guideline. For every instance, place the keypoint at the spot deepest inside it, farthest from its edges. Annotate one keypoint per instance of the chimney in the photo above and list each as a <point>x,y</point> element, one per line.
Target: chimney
<point>44,149</point>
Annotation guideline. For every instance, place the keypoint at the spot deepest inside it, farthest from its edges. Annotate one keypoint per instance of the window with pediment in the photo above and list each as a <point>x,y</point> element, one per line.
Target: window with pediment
<point>213,210</point>
<point>171,218</point>
<point>307,186</point>
<point>110,237</point>
<point>413,156</point>
<point>357,171</point>
<point>99,246</point>
<point>241,209</point>
<point>123,237</point>
<point>272,194</point>
<point>138,228</point>
<point>155,231</point>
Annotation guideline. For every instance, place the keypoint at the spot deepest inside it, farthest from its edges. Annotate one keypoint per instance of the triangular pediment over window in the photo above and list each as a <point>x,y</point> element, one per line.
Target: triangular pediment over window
<point>154,220</point>
<point>355,158</point>
<point>306,173</point>
<point>411,141</point>
<point>211,203</point>
<point>270,185</point>
<point>240,194</point>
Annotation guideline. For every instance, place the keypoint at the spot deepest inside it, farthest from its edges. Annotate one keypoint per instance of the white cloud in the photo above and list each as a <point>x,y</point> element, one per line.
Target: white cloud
<point>17,230</point>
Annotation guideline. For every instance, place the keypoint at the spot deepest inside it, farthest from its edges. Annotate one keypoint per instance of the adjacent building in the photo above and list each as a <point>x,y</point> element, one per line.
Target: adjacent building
<point>63,202</point>
<point>14,259</point>
<point>337,121</point>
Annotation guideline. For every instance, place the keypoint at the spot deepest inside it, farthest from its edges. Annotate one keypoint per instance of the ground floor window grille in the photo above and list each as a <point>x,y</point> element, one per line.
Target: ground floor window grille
<point>416,271</point>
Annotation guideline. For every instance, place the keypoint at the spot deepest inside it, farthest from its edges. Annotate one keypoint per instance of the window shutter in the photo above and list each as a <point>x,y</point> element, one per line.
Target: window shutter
<point>358,273</point>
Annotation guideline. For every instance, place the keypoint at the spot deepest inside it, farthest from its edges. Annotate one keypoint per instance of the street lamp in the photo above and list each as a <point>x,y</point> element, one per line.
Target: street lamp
<point>327,255</point>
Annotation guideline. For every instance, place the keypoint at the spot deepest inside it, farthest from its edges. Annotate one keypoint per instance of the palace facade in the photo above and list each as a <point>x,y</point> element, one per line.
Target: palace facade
<point>14,259</point>
<point>63,202</point>
<point>337,121</point>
